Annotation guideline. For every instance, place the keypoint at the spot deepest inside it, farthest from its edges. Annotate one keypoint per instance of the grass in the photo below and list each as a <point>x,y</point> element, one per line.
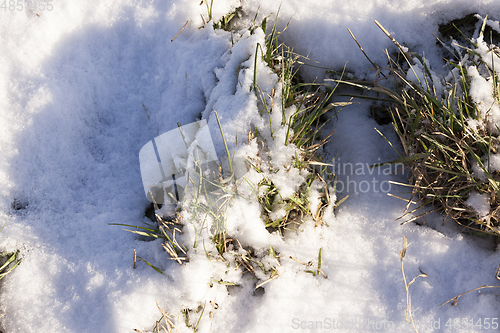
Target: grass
<point>440,143</point>
<point>225,22</point>
<point>302,113</point>
<point>165,229</point>
<point>402,255</point>
<point>8,260</point>
<point>317,269</point>
<point>213,195</point>
<point>304,127</point>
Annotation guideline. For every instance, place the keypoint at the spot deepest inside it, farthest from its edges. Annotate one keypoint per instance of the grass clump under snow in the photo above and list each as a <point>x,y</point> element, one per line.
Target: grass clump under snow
<point>8,260</point>
<point>264,188</point>
<point>294,116</point>
<point>448,127</point>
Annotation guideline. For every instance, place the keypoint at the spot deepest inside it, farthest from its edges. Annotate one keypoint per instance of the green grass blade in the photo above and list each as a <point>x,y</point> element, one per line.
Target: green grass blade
<point>152,266</point>
<point>225,144</point>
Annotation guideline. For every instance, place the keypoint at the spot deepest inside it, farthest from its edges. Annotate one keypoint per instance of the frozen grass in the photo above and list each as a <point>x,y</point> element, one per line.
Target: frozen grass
<point>433,119</point>
<point>303,130</point>
<point>448,141</point>
<point>80,278</point>
<point>8,260</point>
<point>303,109</point>
<point>311,102</point>
<point>203,212</point>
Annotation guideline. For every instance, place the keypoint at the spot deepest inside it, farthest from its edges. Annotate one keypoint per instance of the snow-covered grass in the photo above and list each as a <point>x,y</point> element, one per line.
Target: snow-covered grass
<point>448,134</point>
<point>282,180</point>
<point>73,85</point>
<point>8,261</point>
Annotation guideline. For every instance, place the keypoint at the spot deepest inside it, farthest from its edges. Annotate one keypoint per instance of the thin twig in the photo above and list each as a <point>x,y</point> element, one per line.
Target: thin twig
<point>145,110</point>
<point>180,31</point>
<point>395,42</point>
<point>402,254</point>
<point>361,48</point>
<point>309,264</point>
<point>168,321</point>
<point>275,276</point>
<point>400,198</point>
<point>455,299</point>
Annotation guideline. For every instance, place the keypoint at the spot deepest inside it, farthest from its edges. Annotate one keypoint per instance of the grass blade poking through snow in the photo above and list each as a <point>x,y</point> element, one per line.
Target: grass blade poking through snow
<point>317,270</point>
<point>225,144</point>
<point>310,103</point>
<point>402,254</point>
<point>300,112</point>
<point>8,260</point>
<point>448,140</point>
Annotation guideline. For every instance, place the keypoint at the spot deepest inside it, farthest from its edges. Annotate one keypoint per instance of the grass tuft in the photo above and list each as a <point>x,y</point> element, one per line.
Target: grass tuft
<point>311,102</point>
<point>8,260</point>
<point>303,110</point>
<point>447,140</point>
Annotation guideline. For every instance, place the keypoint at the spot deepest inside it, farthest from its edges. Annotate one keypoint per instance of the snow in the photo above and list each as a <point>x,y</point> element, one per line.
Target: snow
<point>480,203</point>
<point>72,85</point>
<point>481,93</point>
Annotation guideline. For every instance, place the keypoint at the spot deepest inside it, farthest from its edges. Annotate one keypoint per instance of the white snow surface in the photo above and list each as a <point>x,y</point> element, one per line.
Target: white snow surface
<point>480,203</point>
<point>72,83</point>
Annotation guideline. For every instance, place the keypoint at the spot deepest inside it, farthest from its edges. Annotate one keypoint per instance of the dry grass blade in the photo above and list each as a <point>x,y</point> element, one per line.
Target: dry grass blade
<point>400,198</point>
<point>309,264</point>
<point>273,277</point>
<point>361,48</point>
<point>454,300</point>
<point>402,254</point>
<point>243,261</point>
<point>174,256</point>
<point>394,41</point>
<point>441,145</point>
<point>418,216</point>
<point>183,27</point>
<point>323,205</point>
<point>168,321</point>
<point>413,192</point>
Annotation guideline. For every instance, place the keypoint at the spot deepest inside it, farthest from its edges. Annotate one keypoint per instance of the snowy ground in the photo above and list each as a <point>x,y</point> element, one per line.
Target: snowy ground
<point>72,83</point>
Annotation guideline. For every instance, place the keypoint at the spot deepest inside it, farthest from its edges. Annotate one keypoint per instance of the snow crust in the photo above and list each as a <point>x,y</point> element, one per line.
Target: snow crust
<point>72,85</point>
